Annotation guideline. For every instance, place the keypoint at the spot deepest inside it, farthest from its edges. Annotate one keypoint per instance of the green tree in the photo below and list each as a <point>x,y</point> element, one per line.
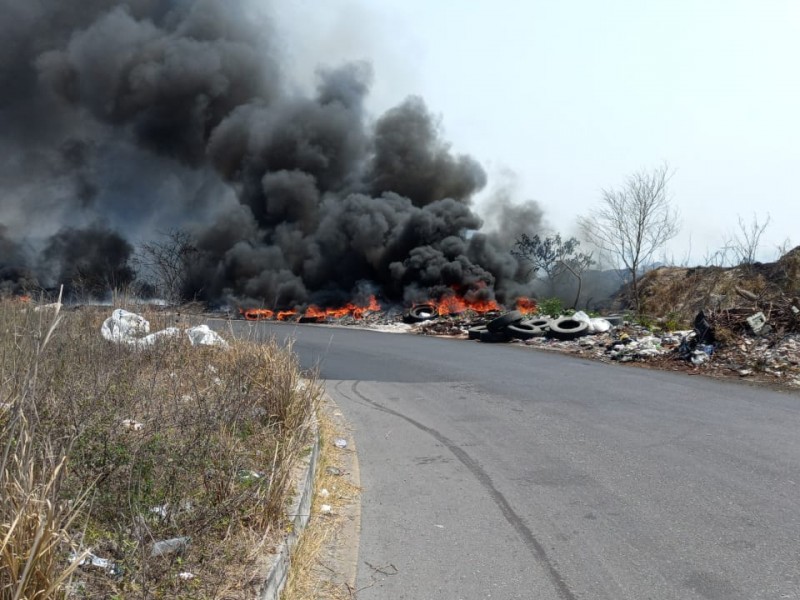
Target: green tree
<point>551,257</point>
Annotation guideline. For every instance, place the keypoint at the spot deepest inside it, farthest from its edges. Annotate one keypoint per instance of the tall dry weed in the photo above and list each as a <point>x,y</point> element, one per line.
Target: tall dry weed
<point>172,440</point>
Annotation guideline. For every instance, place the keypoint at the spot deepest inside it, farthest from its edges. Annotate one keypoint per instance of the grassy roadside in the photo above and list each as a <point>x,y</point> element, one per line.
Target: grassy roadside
<point>141,472</point>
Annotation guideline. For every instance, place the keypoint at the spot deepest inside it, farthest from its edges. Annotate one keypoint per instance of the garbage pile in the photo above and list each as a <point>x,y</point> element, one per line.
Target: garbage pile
<point>124,327</point>
<point>756,350</point>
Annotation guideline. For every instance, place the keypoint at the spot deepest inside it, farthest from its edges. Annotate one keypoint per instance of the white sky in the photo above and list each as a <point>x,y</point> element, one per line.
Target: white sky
<point>573,96</point>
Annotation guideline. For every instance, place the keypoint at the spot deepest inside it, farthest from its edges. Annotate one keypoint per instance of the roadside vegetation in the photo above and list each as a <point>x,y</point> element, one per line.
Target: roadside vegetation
<point>158,472</point>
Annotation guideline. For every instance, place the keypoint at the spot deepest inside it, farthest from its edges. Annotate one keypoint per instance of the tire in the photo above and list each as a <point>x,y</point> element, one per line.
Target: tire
<point>421,312</point>
<point>494,337</point>
<point>507,319</point>
<point>524,330</point>
<point>567,328</point>
<point>474,333</point>
<point>542,323</point>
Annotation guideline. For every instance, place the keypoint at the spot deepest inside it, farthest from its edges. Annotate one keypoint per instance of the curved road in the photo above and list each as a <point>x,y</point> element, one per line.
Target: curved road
<point>494,471</point>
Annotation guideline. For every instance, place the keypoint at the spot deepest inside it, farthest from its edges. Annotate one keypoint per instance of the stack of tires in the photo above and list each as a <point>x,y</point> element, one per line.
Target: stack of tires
<point>513,325</point>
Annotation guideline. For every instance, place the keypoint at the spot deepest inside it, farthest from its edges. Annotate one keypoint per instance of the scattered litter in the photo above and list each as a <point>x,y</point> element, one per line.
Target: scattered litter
<point>51,306</point>
<point>333,471</point>
<point>325,509</point>
<point>124,326</point>
<point>247,475</point>
<point>757,322</point>
<point>91,560</point>
<point>132,425</point>
<point>203,335</point>
<point>340,443</point>
<point>186,576</point>
<point>172,546</point>
<point>161,511</point>
<point>324,493</point>
<point>439,526</point>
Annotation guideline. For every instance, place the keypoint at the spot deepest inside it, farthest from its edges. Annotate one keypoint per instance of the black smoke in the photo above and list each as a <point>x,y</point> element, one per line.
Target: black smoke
<point>153,115</point>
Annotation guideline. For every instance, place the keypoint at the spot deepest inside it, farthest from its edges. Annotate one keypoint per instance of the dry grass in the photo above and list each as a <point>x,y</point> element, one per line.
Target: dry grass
<point>110,449</point>
<point>316,572</point>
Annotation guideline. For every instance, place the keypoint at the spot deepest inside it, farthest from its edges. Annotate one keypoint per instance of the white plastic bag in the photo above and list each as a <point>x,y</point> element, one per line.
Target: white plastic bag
<point>151,339</point>
<point>124,326</point>
<point>599,325</point>
<point>204,335</point>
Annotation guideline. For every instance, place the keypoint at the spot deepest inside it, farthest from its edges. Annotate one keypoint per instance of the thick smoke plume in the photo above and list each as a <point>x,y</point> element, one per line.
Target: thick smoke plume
<point>123,119</point>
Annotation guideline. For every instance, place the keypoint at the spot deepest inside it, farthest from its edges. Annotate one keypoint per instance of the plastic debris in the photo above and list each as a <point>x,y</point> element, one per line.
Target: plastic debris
<point>340,443</point>
<point>757,322</point>
<point>132,425</point>
<point>151,339</point>
<point>203,335</point>
<point>186,575</point>
<point>92,560</point>
<point>325,509</point>
<point>124,326</point>
<point>247,475</point>
<point>171,546</point>
<point>333,471</point>
<point>324,493</point>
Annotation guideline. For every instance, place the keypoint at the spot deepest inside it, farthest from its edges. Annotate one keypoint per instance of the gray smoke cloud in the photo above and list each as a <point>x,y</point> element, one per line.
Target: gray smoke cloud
<point>123,119</point>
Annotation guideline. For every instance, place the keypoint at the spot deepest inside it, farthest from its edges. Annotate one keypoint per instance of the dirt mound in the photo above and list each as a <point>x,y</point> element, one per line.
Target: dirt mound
<point>730,294</point>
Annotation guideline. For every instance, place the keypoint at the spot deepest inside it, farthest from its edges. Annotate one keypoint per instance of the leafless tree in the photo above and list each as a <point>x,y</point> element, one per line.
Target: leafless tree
<point>744,242</point>
<point>633,222</point>
<point>167,263</point>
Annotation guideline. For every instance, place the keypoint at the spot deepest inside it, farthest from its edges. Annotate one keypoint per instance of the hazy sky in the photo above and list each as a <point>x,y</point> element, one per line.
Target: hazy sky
<point>571,97</point>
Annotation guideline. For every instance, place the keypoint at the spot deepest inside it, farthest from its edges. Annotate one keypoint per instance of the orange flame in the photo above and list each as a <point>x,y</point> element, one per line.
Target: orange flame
<point>257,314</point>
<point>355,310</point>
<point>451,305</point>
<point>527,306</point>
<point>455,304</point>
<point>314,312</point>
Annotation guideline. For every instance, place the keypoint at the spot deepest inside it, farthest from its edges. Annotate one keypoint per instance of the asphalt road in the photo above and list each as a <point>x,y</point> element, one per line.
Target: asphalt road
<point>493,471</point>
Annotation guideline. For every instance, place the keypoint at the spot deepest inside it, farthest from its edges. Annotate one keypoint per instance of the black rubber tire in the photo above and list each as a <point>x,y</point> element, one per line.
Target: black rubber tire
<point>420,312</point>
<point>474,333</point>
<point>567,328</point>
<point>542,323</point>
<point>524,330</point>
<point>494,337</point>
<point>311,320</point>
<point>507,319</point>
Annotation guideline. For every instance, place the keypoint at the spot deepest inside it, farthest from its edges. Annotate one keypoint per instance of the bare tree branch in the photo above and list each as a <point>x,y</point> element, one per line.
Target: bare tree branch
<point>633,222</point>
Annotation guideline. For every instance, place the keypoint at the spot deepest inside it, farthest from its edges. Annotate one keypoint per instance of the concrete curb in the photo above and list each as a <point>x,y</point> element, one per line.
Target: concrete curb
<point>299,513</point>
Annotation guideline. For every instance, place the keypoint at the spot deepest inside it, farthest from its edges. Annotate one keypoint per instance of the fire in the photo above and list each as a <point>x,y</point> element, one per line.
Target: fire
<point>527,306</point>
<point>354,310</point>
<point>451,305</point>
<point>257,314</point>
<point>484,306</point>
<point>314,312</point>
<point>455,304</point>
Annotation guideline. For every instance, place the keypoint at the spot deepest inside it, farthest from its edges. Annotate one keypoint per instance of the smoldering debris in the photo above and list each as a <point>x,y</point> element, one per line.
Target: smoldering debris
<point>127,119</point>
